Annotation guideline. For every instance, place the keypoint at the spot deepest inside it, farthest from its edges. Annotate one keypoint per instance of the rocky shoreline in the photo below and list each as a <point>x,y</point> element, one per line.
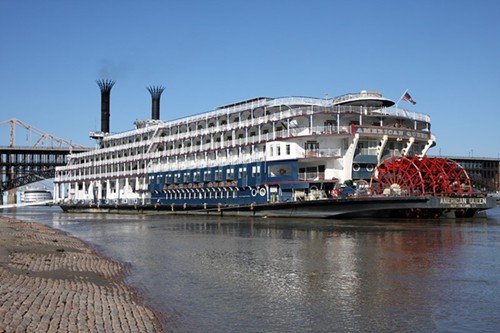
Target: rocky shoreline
<point>53,282</point>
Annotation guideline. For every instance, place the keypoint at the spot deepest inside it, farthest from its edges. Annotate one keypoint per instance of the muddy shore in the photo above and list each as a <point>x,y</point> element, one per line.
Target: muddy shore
<point>53,282</point>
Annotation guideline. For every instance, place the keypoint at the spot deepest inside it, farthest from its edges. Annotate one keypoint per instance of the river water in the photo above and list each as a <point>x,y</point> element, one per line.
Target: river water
<point>211,274</point>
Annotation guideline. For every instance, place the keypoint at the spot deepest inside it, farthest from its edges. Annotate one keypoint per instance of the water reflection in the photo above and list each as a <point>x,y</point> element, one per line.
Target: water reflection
<point>276,275</point>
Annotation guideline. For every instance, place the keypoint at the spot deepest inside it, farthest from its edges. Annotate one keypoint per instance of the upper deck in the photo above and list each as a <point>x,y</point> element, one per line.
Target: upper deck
<point>263,110</point>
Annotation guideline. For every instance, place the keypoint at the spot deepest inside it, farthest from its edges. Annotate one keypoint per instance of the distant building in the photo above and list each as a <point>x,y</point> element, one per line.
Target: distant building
<point>483,172</point>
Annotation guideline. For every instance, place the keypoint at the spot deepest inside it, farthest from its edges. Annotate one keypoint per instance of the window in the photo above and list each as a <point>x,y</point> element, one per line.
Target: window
<point>218,174</point>
<point>229,173</point>
<point>197,176</point>
<point>187,177</point>
<point>159,179</point>
<point>207,176</point>
<point>177,178</point>
<point>312,145</point>
<point>279,170</point>
<point>288,149</point>
<point>242,172</point>
<point>256,171</point>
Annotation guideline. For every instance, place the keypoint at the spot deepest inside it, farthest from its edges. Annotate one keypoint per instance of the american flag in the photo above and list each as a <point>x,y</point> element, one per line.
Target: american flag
<point>407,97</point>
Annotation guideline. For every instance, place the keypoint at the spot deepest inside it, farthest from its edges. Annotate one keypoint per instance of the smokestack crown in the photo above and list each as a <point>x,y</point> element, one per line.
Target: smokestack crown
<point>105,85</point>
<point>155,92</point>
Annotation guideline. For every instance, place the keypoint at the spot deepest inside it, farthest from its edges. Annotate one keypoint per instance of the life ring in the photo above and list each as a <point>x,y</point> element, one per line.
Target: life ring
<point>262,191</point>
<point>254,192</point>
<point>369,167</point>
<point>355,167</point>
<point>282,171</point>
<point>313,188</point>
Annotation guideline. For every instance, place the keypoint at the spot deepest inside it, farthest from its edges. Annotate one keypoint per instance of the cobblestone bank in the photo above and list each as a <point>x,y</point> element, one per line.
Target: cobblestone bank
<point>52,282</point>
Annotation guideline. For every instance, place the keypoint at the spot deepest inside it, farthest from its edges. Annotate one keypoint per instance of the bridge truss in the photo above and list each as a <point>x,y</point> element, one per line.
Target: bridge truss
<point>31,162</point>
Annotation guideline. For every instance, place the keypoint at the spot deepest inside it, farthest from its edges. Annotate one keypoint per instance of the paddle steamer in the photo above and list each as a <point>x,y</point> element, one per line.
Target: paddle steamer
<point>356,154</point>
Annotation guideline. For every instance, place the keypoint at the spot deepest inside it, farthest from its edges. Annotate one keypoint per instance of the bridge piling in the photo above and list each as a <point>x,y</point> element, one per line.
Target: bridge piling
<point>11,197</point>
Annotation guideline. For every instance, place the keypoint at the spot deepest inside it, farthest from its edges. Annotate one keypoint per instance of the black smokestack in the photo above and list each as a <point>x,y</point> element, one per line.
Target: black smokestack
<point>155,92</point>
<point>105,86</point>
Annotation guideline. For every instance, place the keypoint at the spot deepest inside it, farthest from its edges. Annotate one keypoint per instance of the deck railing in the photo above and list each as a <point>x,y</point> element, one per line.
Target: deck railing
<point>276,116</point>
<point>315,175</point>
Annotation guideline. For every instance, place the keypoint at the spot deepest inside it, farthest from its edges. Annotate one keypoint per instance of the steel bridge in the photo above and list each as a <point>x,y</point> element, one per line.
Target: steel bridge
<point>31,162</point>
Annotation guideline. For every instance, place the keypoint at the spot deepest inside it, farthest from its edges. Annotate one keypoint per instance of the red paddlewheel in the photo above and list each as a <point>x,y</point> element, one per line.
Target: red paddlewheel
<point>458,180</point>
<point>435,178</point>
<point>399,176</point>
<point>421,176</point>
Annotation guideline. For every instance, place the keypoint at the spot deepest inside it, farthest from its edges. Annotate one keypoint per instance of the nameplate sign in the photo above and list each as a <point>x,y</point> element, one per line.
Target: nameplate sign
<point>396,132</point>
<point>462,202</point>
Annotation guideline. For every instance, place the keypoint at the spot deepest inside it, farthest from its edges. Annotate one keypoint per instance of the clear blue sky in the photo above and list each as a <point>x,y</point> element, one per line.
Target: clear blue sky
<point>210,53</point>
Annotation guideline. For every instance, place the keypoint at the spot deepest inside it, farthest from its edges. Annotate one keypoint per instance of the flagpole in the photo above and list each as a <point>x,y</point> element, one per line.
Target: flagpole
<point>400,98</point>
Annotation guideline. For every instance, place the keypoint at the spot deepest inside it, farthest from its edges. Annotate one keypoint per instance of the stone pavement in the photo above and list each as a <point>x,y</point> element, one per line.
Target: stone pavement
<point>52,282</point>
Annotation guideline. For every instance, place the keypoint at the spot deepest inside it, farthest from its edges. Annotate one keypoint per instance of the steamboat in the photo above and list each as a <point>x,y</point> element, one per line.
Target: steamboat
<point>357,154</point>
<point>32,195</point>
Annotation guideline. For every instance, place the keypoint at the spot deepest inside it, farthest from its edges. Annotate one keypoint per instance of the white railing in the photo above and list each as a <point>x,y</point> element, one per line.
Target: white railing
<point>315,175</point>
<point>400,112</point>
<point>301,111</point>
<point>352,96</point>
<point>330,152</point>
<point>300,101</point>
<point>229,144</point>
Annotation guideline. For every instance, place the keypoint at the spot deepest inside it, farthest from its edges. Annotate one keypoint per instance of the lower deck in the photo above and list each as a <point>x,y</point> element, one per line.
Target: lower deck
<point>380,206</point>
